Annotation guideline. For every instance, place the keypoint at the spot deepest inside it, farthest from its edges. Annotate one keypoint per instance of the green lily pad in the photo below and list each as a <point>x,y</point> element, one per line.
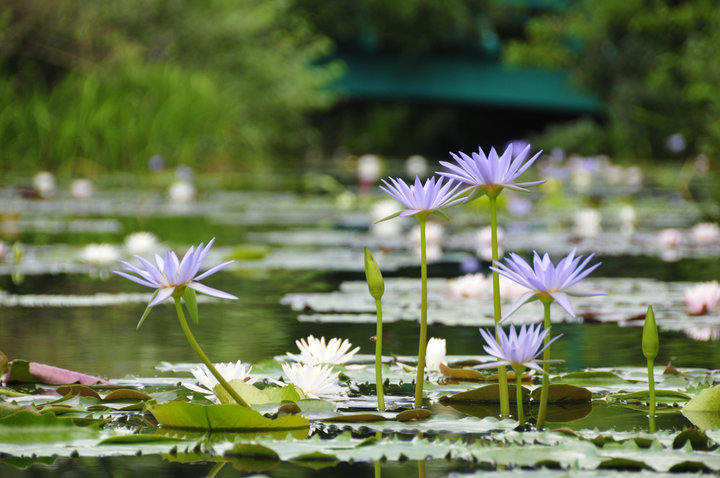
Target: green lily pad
<point>27,427</point>
<point>413,415</point>
<point>194,416</point>
<point>562,393</point>
<point>661,396</point>
<point>486,394</point>
<point>316,460</point>
<point>356,417</point>
<point>590,379</point>
<point>707,400</point>
<point>252,457</point>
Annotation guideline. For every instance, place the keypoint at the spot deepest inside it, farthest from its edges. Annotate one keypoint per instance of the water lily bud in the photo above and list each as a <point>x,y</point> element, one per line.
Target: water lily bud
<point>374,277</point>
<point>650,341</point>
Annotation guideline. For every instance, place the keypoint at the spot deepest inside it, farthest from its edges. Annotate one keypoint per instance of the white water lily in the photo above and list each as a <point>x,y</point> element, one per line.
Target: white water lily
<point>182,192</point>
<point>469,285</point>
<point>315,381</point>
<point>703,297</point>
<point>315,351</point>
<point>100,253</point>
<point>207,382</point>
<point>435,354</point>
<point>141,242</point>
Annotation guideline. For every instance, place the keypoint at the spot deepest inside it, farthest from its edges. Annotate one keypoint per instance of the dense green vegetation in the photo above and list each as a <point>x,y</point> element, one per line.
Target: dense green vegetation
<point>651,62</point>
<point>217,83</point>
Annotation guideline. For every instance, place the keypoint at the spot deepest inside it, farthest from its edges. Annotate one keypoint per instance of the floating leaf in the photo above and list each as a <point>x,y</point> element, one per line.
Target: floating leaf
<point>252,457</point>
<point>316,460</point>
<point>138,438</point>
<point>661,396</point>
<point>413,415</point>
<point>593,378</point>
<point>254,396</point>
<point>356,417</point>
<point>27,427</point>
<point>462,373</point>
<point>195,416</point>
<point>486,394</point>
<point>564,393</point>
<point>698,440</point>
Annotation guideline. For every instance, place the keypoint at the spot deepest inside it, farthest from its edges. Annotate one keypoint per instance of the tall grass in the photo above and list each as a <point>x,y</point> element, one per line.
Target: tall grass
<point>117,120</point>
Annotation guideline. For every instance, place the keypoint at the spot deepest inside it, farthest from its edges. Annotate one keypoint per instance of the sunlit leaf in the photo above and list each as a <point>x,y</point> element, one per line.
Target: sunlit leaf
<point>707,400</point>
<point>195,416</point>
<point>413,415</point>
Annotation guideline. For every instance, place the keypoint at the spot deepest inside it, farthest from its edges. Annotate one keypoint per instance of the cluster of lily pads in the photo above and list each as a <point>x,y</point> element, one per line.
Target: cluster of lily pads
<point>254,416</point>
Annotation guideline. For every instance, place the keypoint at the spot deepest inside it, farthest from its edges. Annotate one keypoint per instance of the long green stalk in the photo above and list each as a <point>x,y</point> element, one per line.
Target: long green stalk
<point>378,357</point>
<point>651,384</point>
<point>203,357</point>
<point>502,374</point>
<point>420,380</point>
<point>544,393</point>
<point>519,397</point>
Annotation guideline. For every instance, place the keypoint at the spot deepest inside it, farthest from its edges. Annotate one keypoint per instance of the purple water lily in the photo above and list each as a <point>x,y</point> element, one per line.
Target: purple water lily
<point>420,197</point>
<point>491,173</point>
<point>171,273</point>
<point>517,349</point>
<point>545,280</point>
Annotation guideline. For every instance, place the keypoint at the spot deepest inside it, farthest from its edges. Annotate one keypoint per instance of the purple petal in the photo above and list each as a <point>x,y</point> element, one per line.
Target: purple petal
<point>137,280</point>
<point>213,270</point>
<point>562,299</point>
<point>202,288</point>
<point>162,295</point>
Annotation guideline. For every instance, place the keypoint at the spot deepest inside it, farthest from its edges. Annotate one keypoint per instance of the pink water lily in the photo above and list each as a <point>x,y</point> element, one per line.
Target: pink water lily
<point>171,274</point>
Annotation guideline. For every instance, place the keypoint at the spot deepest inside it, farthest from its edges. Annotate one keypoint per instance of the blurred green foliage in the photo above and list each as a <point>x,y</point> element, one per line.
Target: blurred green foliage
<point>408,26</point>
<point>218,83</point>
<point>654,64</point>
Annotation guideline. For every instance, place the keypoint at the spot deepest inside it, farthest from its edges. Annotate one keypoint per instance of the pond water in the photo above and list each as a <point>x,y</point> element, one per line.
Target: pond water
<point>102,340</point>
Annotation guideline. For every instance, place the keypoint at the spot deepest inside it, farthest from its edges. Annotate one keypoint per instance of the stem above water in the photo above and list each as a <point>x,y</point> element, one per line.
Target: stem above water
<point>502,374</point>
<point>203,357</point>
<point>420,379</point>
<point>378,357</point>
<point>544,393</point>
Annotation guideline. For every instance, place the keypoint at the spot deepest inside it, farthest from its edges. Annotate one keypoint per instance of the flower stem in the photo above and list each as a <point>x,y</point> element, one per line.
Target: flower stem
<point>203,357</point>
<point>519,397</point>
<point>544,393</point>
<point>378,357</point>
<point>651,384</point>
<point>502,374</point>
<point>420,380</point>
